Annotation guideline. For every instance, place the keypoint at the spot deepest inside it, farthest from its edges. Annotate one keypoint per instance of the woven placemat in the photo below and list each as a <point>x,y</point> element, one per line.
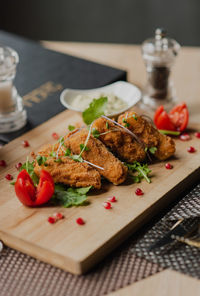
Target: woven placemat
<point>177,256</point>
<point>22,275</point>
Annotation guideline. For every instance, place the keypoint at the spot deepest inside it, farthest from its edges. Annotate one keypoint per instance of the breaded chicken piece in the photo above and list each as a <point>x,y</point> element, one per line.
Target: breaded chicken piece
<point>148,134</point>
<point>112,168</point>
<point>119,141</point>
<point>68,171</point>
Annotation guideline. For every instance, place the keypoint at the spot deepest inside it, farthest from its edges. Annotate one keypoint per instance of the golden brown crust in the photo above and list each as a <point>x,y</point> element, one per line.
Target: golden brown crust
<point>69,172</point>
<point>119,141</point>
<point>113,169</point>
<point>149,135</point>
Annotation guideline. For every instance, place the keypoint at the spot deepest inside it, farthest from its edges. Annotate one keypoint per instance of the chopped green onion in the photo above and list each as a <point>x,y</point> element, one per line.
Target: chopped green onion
<point>173,133</point>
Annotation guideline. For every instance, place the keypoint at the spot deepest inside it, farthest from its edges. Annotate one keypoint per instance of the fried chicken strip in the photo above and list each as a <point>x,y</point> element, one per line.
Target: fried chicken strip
<point>97,153</point>
<point>119,141</point>
<point>68,171</point>
<point>148,134</point>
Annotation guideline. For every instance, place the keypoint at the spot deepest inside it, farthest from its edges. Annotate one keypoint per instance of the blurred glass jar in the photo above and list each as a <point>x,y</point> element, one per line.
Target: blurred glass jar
<point>12,113</point>
<point>159,54</point>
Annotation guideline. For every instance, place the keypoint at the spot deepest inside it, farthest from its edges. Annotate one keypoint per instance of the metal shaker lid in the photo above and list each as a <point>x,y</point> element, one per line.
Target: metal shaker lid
<point>8,61</point>
<point>160,49</point>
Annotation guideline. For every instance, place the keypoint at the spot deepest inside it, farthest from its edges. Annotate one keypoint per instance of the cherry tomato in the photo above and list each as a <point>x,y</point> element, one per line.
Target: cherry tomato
<point>28,194</point>
<point>176,120</point>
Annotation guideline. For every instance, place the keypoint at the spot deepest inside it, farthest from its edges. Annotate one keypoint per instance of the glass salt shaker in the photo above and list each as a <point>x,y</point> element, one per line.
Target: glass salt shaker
<point>159,54</point>
<point>12,113</point>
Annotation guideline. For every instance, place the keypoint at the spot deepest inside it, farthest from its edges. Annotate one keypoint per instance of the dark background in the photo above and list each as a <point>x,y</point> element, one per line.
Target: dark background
<point>120,21</point>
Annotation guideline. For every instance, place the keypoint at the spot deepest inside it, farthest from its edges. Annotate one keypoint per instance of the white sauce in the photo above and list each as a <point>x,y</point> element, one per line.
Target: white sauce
<point>114,105</point>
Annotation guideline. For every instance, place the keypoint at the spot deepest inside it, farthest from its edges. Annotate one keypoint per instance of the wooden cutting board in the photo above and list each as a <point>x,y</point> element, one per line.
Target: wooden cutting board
<point>77,248</point>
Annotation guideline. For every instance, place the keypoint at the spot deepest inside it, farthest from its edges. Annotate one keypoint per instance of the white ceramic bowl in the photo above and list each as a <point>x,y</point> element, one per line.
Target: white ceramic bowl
<point>124,90</point>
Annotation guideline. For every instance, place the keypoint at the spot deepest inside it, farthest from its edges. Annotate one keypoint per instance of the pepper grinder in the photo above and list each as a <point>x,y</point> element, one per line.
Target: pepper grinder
<point>159,54</point>
<point>12,113</point>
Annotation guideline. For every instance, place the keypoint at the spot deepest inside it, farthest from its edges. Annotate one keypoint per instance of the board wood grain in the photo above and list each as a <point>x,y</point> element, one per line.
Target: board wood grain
<point>77,248</point>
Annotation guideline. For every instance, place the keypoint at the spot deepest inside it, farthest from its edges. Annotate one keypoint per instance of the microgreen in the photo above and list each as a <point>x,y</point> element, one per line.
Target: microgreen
<point>67,152</point>
<point>58,160</point>
<point>71,128</point>
<point>41,160</point>
<point>142,171</point>
<point>53,154</point>
<point>135,117</point>
<point>95,133</point>
<point>153,150</point>
<point>68,197</point>
<point>29,167</point>
<point>76,157</point>
<point>84,148</point>
<point>95,110</point>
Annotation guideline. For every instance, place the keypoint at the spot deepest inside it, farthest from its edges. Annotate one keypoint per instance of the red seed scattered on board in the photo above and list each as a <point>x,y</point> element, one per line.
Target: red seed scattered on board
<point>184,137</point>
<point>58,216</point>
<point>55,136</point>
<point>139,191</point>
<point>2,163</point>
<point>169,166</point>
<point>112,199</point>
<point>191,149</point>
<point>80,221</point>
<point>197,135</point>
<point>18,165</point>
<point>9,177</point>
<point>25,144</point>
<point>107,205</point>
<point>51,220</point>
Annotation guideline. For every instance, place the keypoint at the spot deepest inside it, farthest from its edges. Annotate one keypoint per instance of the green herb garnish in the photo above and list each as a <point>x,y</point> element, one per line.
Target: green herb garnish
<point>29,167</point>
<point>77,158</point>
<point>139,171</point>
<point>135,117</point>
<point>68,197</point>
<point>67,152</point>
<point>12,183</point>
<point>62,141</point>
<point>153,150</point>
<point>41,160</point>
<point>95,110</point>
<point>58,160</point>
<point>95,133</point>
<point>126,123</point>
<point>84,148</point>
<point>173,133</point>
<point>53,154</point>
<point>107,125</point>
<point>71,128</point>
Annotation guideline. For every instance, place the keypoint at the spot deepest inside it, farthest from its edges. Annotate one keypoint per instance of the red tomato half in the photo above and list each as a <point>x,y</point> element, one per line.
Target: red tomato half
<point>31,196</point>
<point>179,116</point>
<point>177,119</point>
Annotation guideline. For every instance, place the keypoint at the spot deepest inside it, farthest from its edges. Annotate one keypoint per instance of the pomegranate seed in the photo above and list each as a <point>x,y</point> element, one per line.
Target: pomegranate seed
<point>168,166</point>
<point>112,199</point>
<point>2,163</point>
<point>9,177</point>
<point>25,144</point>
<point>185,137</point>
<point>51,220</point>
<point>139,191</point>
<point>18,165</point>
<point>80,221</point>
<point>107,205</point>
<point>58,216</point>
<point>191,149</point>
<point>197,134</point>
<point>55,136</point>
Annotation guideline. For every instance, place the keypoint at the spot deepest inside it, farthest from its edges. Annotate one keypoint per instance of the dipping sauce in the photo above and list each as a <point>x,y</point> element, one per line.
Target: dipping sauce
<point>115,104</point>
